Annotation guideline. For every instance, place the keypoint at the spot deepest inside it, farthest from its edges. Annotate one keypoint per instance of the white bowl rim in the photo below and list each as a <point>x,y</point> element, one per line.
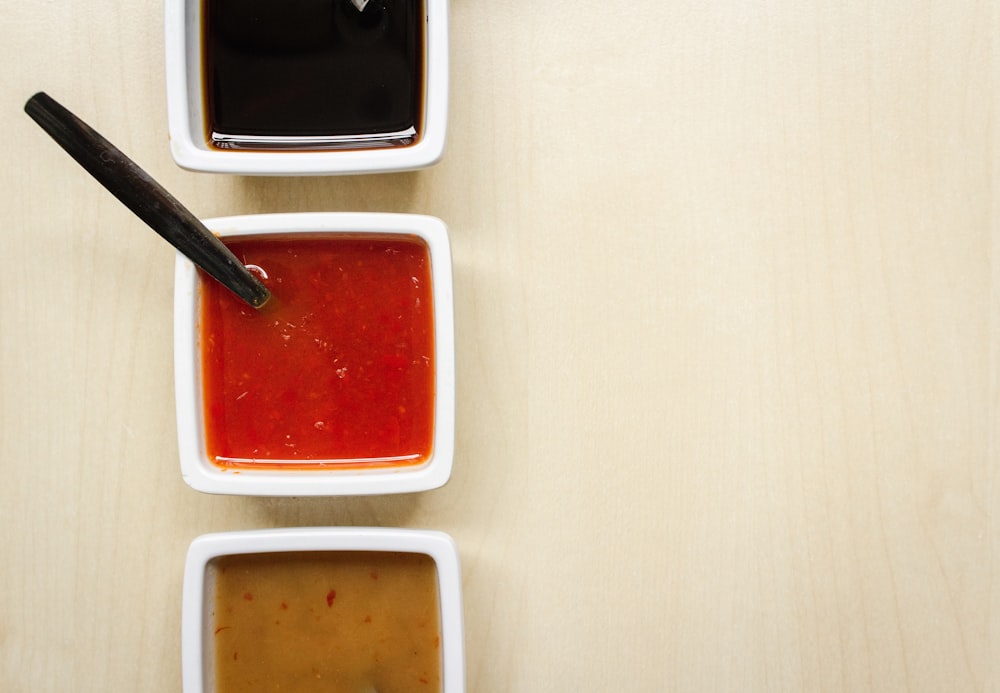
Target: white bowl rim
<point>436,544</point>
<point>191,152</point>
<point>201,474</point>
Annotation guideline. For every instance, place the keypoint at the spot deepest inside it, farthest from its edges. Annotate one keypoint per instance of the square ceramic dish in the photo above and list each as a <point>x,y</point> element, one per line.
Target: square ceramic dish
<point>287,472</point>
<point>187,103</point>
<point>201,631</point>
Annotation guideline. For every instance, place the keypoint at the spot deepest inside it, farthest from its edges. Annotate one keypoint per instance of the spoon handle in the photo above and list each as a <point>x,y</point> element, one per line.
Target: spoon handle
<point>145,197</point>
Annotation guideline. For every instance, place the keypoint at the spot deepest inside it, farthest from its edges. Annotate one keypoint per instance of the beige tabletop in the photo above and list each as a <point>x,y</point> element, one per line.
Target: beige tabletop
<point>728,337</point>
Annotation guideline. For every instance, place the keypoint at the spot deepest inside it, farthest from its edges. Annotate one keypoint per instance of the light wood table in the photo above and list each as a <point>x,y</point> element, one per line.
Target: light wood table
<point>728,330</point>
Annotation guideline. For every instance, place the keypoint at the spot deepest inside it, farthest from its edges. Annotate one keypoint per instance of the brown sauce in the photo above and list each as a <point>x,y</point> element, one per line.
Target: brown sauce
<point>354,621</point>
<point>312,73</point>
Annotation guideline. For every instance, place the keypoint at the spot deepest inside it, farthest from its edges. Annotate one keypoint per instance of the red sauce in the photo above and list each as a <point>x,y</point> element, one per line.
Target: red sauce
<point>337,368</point>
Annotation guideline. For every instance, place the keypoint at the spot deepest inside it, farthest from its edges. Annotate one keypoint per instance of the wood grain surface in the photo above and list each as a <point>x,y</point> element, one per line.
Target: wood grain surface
<point>728,330</point>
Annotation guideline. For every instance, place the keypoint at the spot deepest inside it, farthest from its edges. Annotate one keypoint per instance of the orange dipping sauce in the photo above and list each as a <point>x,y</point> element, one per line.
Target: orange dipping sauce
<point>336,369</point>
<point>356,621</point>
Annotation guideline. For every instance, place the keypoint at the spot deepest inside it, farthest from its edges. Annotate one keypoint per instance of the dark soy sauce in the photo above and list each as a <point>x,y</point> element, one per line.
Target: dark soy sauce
<point>311,74</point>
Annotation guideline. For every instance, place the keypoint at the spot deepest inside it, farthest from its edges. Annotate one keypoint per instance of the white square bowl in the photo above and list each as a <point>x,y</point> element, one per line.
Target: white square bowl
<point>186,109</point>
<point>202,474</point>
<point>197,662</point>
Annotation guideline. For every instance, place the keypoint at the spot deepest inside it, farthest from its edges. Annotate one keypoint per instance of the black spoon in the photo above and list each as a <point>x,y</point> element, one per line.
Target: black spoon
<point>147,198</point>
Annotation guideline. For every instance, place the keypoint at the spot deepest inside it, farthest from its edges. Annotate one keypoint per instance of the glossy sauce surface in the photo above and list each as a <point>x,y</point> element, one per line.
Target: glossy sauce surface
<point>312,69</point>
<point>325,621</point>
<point>337,368</point>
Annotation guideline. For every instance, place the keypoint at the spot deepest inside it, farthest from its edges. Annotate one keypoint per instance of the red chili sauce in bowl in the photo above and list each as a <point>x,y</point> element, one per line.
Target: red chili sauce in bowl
<point>336,369</point>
